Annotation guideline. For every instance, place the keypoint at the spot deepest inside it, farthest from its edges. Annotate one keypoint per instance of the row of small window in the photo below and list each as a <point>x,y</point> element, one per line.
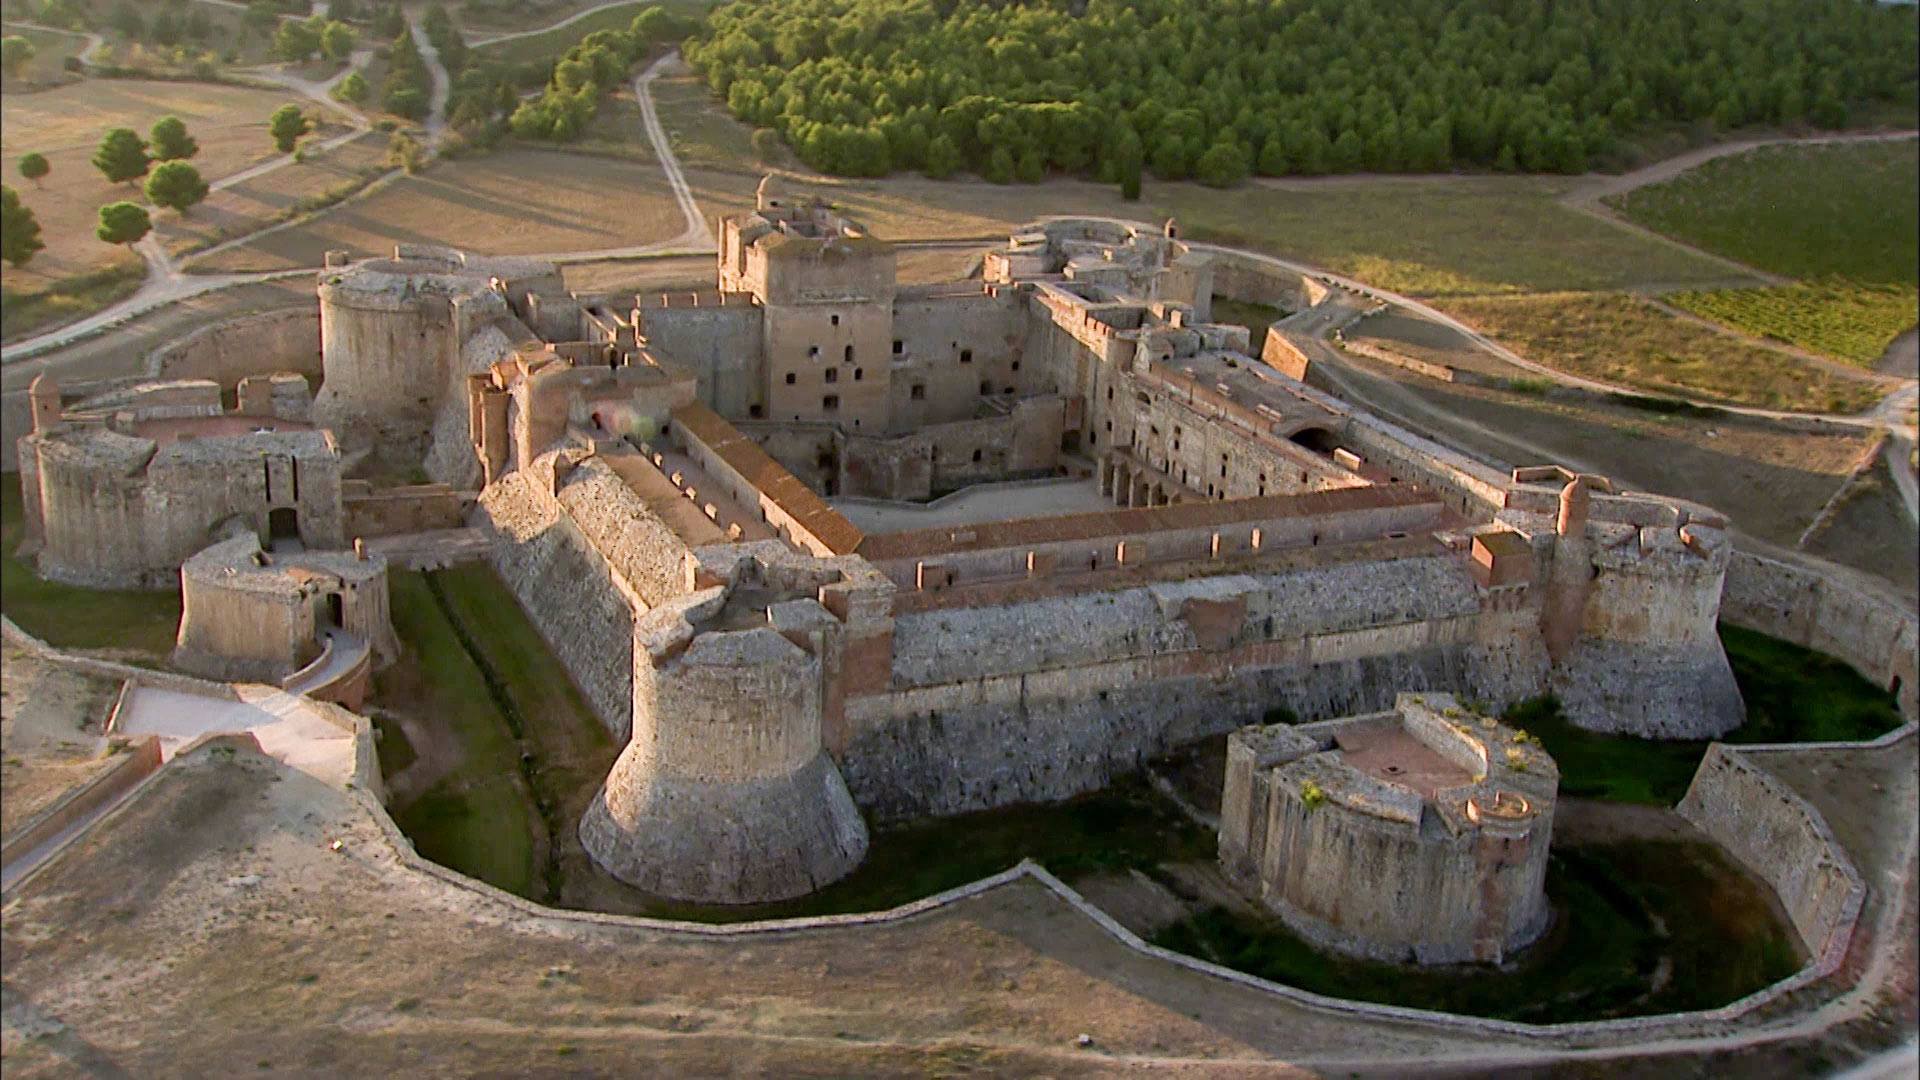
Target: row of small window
<point>832,375</point>
<point>899,349</point>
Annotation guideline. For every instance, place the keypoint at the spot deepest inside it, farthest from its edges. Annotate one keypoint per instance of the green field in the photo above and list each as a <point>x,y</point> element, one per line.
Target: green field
<point>1624,912</point>
<point>1792,695</point>
<point>1835,317</point>
<point>1845,210</point>
<point>1627,340</point>
<point>138,621</point>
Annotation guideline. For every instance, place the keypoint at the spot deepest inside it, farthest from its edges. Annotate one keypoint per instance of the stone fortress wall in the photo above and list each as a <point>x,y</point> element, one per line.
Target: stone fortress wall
<point>665,526</point>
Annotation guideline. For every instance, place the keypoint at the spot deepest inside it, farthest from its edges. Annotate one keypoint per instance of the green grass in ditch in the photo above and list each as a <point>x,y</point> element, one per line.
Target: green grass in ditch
<point>1125,826</point>
<point>478,819</point>
<point>74,618</point>
<point>1620,910</point>
<point>1792,695</point>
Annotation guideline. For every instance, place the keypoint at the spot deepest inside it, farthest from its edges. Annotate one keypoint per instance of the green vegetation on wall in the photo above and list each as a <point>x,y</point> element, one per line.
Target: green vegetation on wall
<point>1212,90</point>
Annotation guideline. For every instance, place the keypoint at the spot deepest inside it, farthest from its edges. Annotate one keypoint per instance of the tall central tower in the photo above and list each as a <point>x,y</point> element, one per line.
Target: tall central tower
<point>826,290</point>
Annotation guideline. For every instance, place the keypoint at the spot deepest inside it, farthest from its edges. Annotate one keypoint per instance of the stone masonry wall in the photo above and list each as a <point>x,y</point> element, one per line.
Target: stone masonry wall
<point>1056,697</point>
<point>1774,833</point>
<point>1826,614</point>
<point>227,352</point>
<point>566,588</point>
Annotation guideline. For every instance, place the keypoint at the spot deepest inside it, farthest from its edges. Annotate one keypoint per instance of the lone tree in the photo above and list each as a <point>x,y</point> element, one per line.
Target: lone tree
<point>286,125</point>
<point>336,41</point>
<point>122,157</point>
<point>353,89</point>
<point>34,167</point>
<point>123,223</point>
<point>176,185</point>
<point>170,140</point>
<point>15,51</point>
<point>19,232</point>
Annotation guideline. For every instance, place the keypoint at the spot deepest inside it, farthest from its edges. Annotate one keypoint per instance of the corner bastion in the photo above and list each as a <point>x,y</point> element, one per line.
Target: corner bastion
<point>1418,834</point>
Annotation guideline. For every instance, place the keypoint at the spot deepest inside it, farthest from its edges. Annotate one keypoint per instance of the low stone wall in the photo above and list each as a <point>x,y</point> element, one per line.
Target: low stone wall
<point>1783,840</point>
<point>142,761</point>
<point>389,511</point>
<point>1822,612</point>
<point>226,352</point>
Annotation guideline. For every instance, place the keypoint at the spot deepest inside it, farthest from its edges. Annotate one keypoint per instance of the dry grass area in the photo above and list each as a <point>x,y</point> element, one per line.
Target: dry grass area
<point>936,265</point>
<point>51,51</point>
<point>1422,339</point>
<point>50,733</point>
<point>517,202</point>
<point>123,352</point>
<point>1870,531</point>
<point>247,207</point>
<point>66,124</point>
<point>1624,339</point>
<point>680,273</point>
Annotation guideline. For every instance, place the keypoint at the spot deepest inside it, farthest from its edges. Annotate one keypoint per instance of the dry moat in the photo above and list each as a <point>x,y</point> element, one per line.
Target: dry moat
<point>1648,915</point>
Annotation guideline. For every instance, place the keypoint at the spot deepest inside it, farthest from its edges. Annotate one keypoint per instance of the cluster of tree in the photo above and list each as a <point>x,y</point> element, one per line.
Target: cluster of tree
<point>301,40</point>
<point>123,157</point>
<point>590,70</point>
<point>173,24</point>
<point>408,89</point>
<point>1218,89</point>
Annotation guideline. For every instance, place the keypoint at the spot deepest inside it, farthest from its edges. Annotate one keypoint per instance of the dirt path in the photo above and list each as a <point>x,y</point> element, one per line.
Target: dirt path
<point>495,39</point>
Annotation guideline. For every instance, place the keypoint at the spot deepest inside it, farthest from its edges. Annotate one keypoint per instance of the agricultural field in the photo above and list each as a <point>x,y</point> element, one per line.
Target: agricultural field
<point>1849,210</point>
<point>1836,318</point>
<point>1626,340</point>
<point>516,202</point>
<point>66,124</point>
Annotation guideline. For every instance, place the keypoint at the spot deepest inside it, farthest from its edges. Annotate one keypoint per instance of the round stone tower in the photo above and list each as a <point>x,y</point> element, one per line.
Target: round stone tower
<point>388,340</point>
<point>725,794</point>
<point>1418,835</point>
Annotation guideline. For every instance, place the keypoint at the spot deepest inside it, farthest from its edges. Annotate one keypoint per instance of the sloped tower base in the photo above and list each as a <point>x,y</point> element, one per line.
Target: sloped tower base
<point>1664,692</point>
<point>725,842</point>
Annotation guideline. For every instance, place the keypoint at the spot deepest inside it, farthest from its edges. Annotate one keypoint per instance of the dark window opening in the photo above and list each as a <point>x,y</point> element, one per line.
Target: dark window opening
<point>919,392</point>
<point>859,374</point>
<point>1015,366</point>
<point>336,613</point>
<point>833,374</point>
<point>966,356</point>
<point>283,524</point>
<point>834,319</point>
<point>756,411</point>
<point>813,352</point>
<point>976,455</point>
<point>791,378</point>
<point>899,346</point>
<point>986,388</point>
<point>830,403</point>
<point>849,354</point>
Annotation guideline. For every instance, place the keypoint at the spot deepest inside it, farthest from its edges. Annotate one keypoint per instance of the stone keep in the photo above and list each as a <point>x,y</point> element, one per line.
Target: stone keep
<point>1417,835</point>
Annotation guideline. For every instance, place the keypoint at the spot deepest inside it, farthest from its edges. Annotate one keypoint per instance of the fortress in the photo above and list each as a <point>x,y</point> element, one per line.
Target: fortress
<point>827,550</point>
